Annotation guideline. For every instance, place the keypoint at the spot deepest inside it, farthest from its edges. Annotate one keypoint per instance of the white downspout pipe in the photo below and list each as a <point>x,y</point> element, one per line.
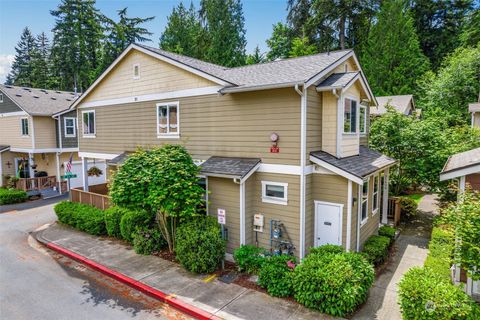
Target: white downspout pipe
<point>303,151</point>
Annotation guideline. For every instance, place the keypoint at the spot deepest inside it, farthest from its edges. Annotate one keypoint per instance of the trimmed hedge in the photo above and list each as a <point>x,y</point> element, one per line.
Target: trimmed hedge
<point>9,196</point>
<point>113,216</point>
<point>328,248</point>
<point>424,294</point>
<point>441,248</point>
<point>148,240</point>
<point>199,244</point>
<point>276,275</point>
<point>82,217</point>
<point>387,231</point>
<point>375,249</point>
<point>133,219</point>
<point>333,283</point>
<point>249,258</point>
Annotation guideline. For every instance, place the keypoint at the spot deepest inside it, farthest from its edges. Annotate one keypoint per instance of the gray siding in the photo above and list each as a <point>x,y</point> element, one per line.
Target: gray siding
<point>8,105</point>
<point>68,142</point>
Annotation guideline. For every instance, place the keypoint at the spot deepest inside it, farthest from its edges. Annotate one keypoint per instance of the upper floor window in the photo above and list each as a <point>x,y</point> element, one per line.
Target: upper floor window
<point>24,124</point>
<point>363,119</point>
<point>70,127</point>
<point>1,97</point>
<point>350,116</point>
<point>375,197</point>
<point>167,119</point>
<point>136,71</point>
<point>365,201</point>
<point>88,123</point>
<point>274,192</point>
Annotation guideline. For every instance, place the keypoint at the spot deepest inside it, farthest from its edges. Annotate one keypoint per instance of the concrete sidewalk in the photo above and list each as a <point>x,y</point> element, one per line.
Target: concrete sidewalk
<point>227,301</point>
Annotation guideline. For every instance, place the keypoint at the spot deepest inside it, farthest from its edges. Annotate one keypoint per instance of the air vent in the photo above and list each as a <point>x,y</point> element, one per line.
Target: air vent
<point>9,87</point>
<point>18,95</point>
<point>36,97</point>
<point>57,91</point>
<point>69,99</point>
<point>26,89</point>
<point>53,98</point>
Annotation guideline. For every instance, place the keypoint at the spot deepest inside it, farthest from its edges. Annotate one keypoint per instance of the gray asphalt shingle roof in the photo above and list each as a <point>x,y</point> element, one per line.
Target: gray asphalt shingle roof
<point>119,160</point>
<point>276,72</point>
<point>39,102</point>
<point>462,160</point>
<point>4,148</point>
<point>234,167</point>
<point>338,80</point>
<point>368,161</point>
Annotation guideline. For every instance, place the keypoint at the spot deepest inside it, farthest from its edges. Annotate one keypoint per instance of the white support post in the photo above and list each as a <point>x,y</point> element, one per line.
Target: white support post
<point>385,197</point>
<point>30,164</point>
<point>242,213</point>
<point>462,184</point>
<point>85,173</point>
<point>59,178</point>
<point>359,215</point>
<point>1,171</point>
<point>349,215</point>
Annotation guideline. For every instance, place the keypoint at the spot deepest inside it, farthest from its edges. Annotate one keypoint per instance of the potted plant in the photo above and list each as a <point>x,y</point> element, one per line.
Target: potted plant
<point>94,171</point>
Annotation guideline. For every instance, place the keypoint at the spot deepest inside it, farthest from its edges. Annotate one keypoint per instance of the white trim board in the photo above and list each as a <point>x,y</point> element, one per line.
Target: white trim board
<point>459,173</point>
<point>152,97</point>
<point>95,155</point>
<point>26,150</point>
<point>13,114</point>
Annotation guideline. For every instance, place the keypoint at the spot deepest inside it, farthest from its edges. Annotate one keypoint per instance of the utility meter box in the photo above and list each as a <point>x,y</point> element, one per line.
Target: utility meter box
<point>258,222</point>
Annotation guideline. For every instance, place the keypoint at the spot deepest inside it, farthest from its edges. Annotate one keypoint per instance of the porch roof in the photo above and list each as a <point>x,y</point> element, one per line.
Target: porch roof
<point>360,166</point>
<point>119,160</point>
<point>461,164</point>
<point>4,148</point>
<point>229,167</point>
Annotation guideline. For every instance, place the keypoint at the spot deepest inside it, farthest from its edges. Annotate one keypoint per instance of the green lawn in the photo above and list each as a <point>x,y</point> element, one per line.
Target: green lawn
<point>415,197</point>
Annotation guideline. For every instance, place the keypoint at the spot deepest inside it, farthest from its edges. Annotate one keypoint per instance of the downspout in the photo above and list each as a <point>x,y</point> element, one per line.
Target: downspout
<point>303,151</point>
<point>241,183</point>
<point>359,215</point>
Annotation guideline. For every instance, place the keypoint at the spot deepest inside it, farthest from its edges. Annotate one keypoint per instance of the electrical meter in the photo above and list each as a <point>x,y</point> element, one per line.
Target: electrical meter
<point>258,222</point>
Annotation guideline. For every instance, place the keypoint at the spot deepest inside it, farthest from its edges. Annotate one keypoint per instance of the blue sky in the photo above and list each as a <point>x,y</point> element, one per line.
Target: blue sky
<point>260,15</point>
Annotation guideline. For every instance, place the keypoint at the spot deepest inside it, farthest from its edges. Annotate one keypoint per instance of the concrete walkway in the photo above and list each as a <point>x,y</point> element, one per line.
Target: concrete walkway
<point>412,251</point>
<point>227,301</point>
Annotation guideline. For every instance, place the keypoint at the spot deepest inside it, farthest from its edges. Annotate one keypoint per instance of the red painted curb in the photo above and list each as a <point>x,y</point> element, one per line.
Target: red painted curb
<point>152,292</point>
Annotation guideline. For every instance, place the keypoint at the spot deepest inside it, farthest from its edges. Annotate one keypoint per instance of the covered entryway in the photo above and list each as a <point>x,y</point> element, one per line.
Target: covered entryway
<point>92,180</point>
<point>328,223</point>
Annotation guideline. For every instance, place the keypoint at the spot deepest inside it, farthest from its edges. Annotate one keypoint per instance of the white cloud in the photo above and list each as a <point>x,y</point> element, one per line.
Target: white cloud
<point>5,65</point>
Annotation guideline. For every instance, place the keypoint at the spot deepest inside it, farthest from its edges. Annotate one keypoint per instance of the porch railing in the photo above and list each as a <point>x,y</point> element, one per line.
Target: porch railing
<point>393,210</point>
<point>38,183</point>
<point>101,201</point>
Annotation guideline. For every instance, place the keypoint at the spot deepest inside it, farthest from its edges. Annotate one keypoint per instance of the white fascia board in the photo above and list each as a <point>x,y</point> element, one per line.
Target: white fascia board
<point>261,87</point>
<point>4,150</point>
<point>329,69</point>
<point>460,172</point>
<point>68,150</point>
<point>95,155</point>
<point>250,173</point>
<point>362,74</point>
<point>13,114</point>
<point>152,97</point>
<point>28,150</point>
<point>336,170</point>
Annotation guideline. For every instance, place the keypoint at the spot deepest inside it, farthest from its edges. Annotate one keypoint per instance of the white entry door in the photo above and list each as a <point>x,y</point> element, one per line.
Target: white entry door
<point>328,223</point>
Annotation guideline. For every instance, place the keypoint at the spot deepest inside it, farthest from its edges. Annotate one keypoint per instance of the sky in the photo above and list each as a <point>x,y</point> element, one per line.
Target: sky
<point>15,15</point>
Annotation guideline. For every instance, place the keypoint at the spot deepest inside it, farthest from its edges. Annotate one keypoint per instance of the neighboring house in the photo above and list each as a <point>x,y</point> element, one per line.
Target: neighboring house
<point>403,104</point>
<point>474,109</point>
<point>283,140</point>
<point>31,140</point>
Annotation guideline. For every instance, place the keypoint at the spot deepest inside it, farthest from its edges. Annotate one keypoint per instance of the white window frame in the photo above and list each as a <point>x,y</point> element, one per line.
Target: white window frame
<point>21,127</point>
<point>364,199</point>
<point>351,98</point>
<point>275,200</point>
<point>364,119</point>
<point>89,135</point>
<point>1,97</point>
<point>74,127</point>
<point>375,204</point>
<point>168,134</point>
<point>136,66</point>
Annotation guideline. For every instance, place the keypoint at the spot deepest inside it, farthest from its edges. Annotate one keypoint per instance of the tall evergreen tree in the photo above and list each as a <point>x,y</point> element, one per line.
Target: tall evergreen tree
<point>471,30</point>
<point>76,48</point>
<point>393,60</point>
<point>280,43</point>
<point>121,34</point>
<point>41,75</point>
<point>21,72</point>
<point>225,28</point>
<point>256,57</point>
<point>184,33</point>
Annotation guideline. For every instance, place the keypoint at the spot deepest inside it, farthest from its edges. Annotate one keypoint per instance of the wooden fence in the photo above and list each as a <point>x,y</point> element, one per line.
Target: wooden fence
<point>39,183</point>
<point>101,201</point>
<point>393,210</point>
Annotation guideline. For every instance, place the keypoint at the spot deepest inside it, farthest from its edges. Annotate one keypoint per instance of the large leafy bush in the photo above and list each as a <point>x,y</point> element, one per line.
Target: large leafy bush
<point>424,294</point>
<point>375,249</point>
<point>333,283</point>
<point>200,247</point>
<point>147,240</point>
<point>276,275</point>
<point>249,258</point>
<point>133,219</point>
<point>440,255</point>
<point>66,212</point>
<point>9,196</point>
<point>113,216</point>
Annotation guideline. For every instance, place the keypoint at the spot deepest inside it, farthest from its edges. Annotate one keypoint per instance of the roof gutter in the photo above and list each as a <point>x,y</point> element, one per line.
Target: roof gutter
<point>303,151</point>
<point>258,88</point>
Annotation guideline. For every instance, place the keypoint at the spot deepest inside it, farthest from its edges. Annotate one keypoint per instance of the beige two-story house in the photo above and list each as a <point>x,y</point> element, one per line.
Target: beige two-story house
<point>281,145</point>
<point>33,142</point>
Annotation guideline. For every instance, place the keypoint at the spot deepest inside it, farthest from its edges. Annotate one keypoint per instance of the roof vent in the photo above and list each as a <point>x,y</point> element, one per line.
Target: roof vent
<point>69,99</point>
<point>18,95</point>
<point>9,87</point>
<point>36,96</point>
<point>27,89</point>
<point>53,98</point>
<point>57,91</point>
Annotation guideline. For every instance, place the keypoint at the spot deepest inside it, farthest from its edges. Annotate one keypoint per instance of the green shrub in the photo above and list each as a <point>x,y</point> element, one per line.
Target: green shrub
<point>424,294</point>
<point>276,275</point>
<point>147,240</point>
<point>387,231</point>
<point>9,196</point>
<point>375,249</point>
<point>249,258</point>
<point>90,219</point>
<point>327,248</point>
<point>133,219</point>
<point>199,244</point>
<point>440,255</point>
<point>113,216</point>
<point>66,212</point>
<point>408,207</point>
<point>333,283</point>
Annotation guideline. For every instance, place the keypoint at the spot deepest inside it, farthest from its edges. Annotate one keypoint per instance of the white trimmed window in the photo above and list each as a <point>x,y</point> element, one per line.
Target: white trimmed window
<point>88,123</point>
<point>375,194</point>
<point>168,120</point>
<point>24,124</point>
<point>274,192</point>
<point>363,119</point>
<point>69,127</point>
<point>365,201</point>
<point>136,71</point>
<point>349,116</point>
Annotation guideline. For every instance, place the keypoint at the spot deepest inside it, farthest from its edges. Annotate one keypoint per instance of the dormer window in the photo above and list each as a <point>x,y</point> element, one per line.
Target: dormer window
<point>136,71</point>
<point>350,116</point>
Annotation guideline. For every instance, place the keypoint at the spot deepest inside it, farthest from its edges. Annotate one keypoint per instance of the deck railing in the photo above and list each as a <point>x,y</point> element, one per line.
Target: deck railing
<point>393,210</point>
<point>101,201</point>
<point>38,183</point>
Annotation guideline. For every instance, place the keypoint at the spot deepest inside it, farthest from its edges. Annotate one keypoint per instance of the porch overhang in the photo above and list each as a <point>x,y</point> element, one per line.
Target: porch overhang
<point>4,148</point>
<point>230,167</point>
<point>461,164</point>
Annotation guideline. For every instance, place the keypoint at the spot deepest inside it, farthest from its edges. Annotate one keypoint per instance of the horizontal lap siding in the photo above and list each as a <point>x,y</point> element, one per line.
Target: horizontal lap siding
<point>474,181</point>
<point>350,143</point>
<point>8,105</point>
<point>8,157</point>
<point>45,134</point>
<point>155,76</point>
<point>309,213</point>
<point>314,121</point>
<point>371,226</point>
<point>11,132</point>
<point>69,142</point>
<point>236,125</point>
<point>329,123</point>
<point>249,210</point>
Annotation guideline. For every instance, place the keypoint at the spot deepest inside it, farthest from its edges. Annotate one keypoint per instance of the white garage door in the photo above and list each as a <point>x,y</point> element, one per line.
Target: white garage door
<point>77,169</point>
